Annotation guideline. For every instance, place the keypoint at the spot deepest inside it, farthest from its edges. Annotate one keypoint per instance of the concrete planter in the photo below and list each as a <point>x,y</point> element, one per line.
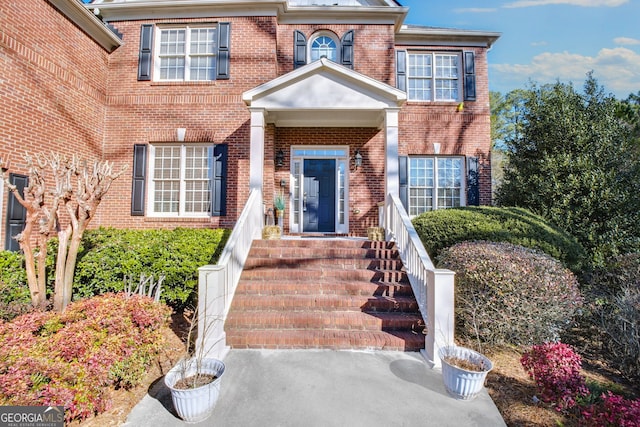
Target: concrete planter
<point>195,404</point>
<point>463,384</point>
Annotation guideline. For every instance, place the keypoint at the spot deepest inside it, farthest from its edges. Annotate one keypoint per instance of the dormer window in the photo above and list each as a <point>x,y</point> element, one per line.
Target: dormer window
<point>324,46</point>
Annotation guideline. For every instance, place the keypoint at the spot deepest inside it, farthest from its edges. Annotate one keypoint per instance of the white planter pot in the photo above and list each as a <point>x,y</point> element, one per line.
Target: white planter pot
<point>195,404</point>
<point>461,383</point>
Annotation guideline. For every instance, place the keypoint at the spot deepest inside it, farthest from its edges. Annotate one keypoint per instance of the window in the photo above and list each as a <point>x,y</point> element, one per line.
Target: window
<point>435,183</point>
<point>180,180</point>
<point>186,54</point>
<point>324,47</point>
<point>434,76</point>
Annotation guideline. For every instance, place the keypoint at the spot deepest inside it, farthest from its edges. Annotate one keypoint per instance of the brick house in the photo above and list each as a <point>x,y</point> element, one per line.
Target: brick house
<point>333,103</point>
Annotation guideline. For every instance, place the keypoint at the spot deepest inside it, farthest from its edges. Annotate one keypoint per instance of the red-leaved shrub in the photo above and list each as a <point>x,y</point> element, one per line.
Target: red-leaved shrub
<point>555,368</point>
<point>613,411</point>
<point>71,358</point>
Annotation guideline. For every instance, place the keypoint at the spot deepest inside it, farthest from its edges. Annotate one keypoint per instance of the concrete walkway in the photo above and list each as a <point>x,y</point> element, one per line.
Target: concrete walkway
<point>325,388</point>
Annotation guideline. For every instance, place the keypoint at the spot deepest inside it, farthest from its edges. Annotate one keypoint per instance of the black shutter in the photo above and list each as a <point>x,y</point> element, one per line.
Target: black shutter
<point>299,49</point>
<point>473,182</point>
<point>401,70</point>
<point>469,77</point>
<point>347,49</point>
<point>403,177</point>
<point>139,179</point>
<point>145,56</point>
<point>219,181</point>
<point>224,48</point>
<point>16,213</point>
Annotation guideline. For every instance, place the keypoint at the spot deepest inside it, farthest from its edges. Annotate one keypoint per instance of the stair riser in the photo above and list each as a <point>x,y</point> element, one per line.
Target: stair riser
<point>325,303</point>
<point>256,287</point>
<point>315,320</point>
<point>321,262</point>
<point>334,253</point>
<point>323,275</point>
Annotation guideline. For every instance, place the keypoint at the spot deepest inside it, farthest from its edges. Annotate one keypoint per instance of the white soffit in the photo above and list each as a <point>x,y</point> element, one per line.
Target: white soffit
<point>324,94</point>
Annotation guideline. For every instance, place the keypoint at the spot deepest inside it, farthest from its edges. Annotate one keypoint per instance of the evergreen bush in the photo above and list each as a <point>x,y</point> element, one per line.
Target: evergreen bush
<point>442,228</point>
<point>108,255</point>
<point>509,294</point>
<point>14,292</point>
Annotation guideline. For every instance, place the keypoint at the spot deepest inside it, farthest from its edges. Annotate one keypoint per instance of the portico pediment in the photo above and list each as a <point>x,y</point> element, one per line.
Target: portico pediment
<point>324,94</point>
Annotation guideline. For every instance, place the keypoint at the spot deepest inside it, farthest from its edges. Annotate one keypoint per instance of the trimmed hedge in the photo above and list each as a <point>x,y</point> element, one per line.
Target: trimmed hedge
<point>443,228</point>
<point>509,294</point>
<point>14,292</point>
<point>108,255</point>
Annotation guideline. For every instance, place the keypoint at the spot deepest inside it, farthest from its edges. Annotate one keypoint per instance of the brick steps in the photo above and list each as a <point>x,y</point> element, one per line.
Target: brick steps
<point>324,293</point>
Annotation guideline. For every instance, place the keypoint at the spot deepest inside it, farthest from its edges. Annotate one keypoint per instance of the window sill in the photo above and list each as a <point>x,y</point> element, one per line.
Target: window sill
<point>152,219</point>
<point>196,83</point>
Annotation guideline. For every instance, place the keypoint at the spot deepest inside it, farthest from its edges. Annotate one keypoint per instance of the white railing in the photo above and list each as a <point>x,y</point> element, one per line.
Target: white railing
<point>217,283</point>
<point>433,288</point>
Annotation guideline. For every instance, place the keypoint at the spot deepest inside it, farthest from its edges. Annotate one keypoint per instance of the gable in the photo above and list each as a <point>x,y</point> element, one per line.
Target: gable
<point>324,93</point>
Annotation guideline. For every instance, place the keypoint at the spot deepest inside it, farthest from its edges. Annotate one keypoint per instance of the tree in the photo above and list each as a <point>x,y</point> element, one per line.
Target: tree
<point>573,162</point>
<point>61,199</point>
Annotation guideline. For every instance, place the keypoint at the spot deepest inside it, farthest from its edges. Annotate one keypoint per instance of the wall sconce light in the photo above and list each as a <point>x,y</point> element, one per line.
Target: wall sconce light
<point>180,133</point>
<point>280,158</point>
<point>357,160</point>
<point>436,147</point>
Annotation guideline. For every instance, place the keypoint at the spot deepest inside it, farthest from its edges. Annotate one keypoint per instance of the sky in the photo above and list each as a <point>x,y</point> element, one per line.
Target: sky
<point>548,40</point>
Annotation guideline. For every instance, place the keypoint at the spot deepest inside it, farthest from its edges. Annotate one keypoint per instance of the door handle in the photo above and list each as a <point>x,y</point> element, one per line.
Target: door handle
<point>304,201</point>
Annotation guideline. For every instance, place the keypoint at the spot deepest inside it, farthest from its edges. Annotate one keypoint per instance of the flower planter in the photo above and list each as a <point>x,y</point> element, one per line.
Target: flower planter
<point>463,384</point>
<point>195,404</point>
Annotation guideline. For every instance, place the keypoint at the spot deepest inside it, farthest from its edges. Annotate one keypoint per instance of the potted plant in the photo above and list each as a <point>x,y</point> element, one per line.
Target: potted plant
<point>278,204</point>
<point>195,382</point>
<point>463,371</point>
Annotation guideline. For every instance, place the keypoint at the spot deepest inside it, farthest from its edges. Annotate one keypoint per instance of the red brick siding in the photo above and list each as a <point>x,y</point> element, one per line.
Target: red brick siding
<point>52,98</point>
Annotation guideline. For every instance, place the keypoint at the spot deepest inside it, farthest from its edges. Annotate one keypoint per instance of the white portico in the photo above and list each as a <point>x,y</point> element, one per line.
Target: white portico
<point>325,94</point>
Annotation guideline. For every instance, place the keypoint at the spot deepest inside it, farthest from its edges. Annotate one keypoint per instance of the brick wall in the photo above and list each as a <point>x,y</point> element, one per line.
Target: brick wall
<point>52,98</point>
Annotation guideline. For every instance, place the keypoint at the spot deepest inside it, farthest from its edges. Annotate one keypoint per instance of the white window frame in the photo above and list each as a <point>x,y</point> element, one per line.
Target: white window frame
<point>329,35</point>
<point>157,60</point>
<point>436,184</point>
<point>432,78</point>
<point>182,213</point>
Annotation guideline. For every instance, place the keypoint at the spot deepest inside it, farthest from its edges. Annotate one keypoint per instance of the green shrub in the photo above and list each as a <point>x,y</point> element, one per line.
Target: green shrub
<point>14,291</point>
<point>509,294</point>
<point>108,255</point>
<point>442,228</point>
<point>72,359</point>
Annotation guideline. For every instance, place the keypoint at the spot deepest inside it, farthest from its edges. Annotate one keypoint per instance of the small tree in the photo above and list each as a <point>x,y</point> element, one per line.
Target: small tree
<point>58,186</point>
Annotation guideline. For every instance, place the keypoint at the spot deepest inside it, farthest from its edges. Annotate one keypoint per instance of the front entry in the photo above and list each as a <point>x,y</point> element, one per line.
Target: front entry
<point>318,200</point>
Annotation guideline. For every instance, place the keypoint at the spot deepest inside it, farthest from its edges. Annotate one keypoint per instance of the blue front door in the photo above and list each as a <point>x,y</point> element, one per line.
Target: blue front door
<point>318,207</point>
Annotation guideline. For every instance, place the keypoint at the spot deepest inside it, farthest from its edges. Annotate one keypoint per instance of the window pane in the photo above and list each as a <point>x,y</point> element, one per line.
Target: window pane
<point>449,182</point>
<point>172,42</point>
<point>446,90</point>
<point>420,200</point>
<point>447,66</point>
<point>202,41</point>
<point>323,46</point>
<point>202,68</point>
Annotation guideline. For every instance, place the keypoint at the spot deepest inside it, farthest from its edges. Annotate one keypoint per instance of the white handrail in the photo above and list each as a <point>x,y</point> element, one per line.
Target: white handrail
<point>433,288</point>
<point>217,283</point>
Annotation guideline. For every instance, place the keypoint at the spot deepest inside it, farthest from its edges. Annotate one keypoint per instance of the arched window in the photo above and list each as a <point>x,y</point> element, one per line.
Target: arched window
<point>324,46</point>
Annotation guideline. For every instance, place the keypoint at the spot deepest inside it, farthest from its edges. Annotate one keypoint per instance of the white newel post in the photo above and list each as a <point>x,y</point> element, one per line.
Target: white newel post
<point>392,181</point>
<point>440,312</point>
<point>212,340</point>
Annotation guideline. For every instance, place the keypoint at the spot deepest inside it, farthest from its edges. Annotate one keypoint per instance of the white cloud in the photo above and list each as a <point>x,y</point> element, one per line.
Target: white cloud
<point>626,41</point>
<point>618,70</point>
<point>582,3</point>
<point>475,10</point>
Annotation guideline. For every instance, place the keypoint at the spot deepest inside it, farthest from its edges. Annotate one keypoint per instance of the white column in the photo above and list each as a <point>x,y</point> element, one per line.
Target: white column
<point>440,314</point>
<point>392,179</point>
<point>256,156</point>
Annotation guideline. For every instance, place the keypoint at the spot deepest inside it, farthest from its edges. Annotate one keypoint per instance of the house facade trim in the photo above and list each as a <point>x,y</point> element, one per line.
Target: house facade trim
<point>88,22</point>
